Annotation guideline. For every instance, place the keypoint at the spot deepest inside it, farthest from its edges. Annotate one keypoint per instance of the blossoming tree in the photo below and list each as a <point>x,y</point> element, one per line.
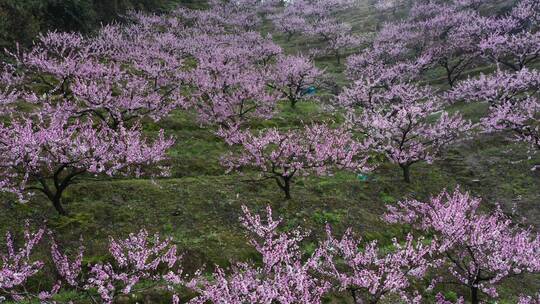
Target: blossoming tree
<point>284,276</point>
<point>513,102</point>
<point>408,125</point>
<point>47,154</point>
<point>478,250</point>
<point>369,273</point>
<point>292,76</point>
<point>314,149</point>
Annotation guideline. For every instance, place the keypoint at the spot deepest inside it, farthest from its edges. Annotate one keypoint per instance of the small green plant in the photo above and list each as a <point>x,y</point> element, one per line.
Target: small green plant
<point>330,217</point>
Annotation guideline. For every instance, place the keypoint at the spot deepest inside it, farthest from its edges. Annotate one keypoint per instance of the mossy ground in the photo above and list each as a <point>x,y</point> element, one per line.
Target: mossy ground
<point>199,205</point>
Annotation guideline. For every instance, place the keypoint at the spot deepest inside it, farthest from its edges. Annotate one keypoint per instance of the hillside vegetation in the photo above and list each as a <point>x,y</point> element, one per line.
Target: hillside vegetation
<point>199,203</point>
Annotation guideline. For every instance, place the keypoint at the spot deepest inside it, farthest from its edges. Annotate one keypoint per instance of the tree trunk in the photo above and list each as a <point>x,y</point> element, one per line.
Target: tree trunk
<point>63,177</point>
<point>474,295</point>
<point>449,72</point>
<point>57,203</point>
<point>55,196</point>
<point>450,81</point>
<point>406,173</point>
<point>287,189</point>
<point>354,296</point>
<point>449,77</point>
<point>293,103</point>
<point>289,36</point>
<point>284,182</point>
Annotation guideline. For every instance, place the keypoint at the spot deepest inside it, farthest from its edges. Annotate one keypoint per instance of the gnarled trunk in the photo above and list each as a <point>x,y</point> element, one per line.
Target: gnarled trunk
<point>406,172</point>
<point>284,183</point>
<point>57,203</point>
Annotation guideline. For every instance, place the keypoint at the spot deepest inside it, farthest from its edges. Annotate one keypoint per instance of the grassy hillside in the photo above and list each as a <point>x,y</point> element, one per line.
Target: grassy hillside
<point>199,205</point>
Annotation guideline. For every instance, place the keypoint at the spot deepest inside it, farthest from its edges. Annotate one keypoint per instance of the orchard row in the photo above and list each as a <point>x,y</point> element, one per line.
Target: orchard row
<point>475,250</point>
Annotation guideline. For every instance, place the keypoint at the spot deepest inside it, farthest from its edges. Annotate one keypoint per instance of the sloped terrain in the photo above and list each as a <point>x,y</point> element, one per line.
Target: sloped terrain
<point>199,204</point>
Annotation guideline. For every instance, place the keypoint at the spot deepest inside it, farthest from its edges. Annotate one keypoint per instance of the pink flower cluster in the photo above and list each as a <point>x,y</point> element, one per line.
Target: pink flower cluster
<point>283,278</point>
<point>86,98</point>
<point>406,123</point>
<point>513,101</point>
<point>139,257</point>
<point>314,149</point>
<point>317,19</point>
<point>53,149</point>
<point>370,273</point>
<point>478,250</point>
<point>17,266</point>
<point>292,76</point>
